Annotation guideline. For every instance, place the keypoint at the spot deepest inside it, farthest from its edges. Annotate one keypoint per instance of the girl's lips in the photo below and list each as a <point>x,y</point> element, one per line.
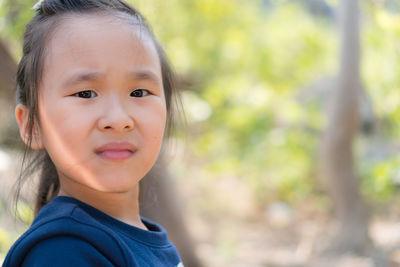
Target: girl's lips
<point>116,151</point>
<point>115,154</point>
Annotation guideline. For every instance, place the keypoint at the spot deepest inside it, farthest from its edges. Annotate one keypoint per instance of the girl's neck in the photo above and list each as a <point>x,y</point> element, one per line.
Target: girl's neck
<point>121,206</point>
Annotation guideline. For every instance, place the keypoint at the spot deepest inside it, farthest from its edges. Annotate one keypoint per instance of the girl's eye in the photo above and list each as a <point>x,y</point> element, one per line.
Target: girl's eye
<point>140,93</point>
<point>86,94</point>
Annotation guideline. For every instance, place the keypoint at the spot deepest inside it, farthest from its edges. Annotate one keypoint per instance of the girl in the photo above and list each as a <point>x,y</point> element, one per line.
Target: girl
<point>94,94</point>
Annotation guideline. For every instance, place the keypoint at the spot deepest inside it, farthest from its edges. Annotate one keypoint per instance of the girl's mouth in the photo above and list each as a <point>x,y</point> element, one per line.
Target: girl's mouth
<point>115,154</point>
<point>116,151</point>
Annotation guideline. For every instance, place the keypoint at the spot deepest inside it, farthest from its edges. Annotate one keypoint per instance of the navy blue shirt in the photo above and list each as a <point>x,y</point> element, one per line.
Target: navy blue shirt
<point>68,232</point>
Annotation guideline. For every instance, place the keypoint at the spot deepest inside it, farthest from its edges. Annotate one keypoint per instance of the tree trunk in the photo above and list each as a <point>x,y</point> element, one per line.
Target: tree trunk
<point>337,143</point>
<point>160,202</point>
<point>8,69</point>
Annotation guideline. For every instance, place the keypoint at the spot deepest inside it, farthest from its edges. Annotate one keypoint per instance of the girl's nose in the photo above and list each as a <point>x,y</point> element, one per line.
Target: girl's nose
<point>116,117</point>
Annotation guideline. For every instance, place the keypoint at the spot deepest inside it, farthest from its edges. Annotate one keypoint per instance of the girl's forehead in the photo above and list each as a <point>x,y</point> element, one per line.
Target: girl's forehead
<point>99,41</point>
<point>76,30</point>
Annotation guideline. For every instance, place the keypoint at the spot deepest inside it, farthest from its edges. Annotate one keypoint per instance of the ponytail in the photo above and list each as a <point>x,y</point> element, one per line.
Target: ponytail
<point>49,184</point>
<point>37,162</point>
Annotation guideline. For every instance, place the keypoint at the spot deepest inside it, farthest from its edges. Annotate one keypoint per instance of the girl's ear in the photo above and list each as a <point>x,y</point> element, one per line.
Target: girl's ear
<point>22,116</point>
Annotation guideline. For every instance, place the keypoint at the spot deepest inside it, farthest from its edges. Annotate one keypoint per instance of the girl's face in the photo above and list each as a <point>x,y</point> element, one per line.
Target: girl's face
<point>101,103</point>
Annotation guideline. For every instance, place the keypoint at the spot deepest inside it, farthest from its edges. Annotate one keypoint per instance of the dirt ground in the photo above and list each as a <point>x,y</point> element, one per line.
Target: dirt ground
<point>229,231</point>
<point>249,244</point>
<point>284,237</point>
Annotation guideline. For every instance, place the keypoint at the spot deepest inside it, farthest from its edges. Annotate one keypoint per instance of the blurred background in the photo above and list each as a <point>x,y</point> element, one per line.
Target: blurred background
<point>290,152</point>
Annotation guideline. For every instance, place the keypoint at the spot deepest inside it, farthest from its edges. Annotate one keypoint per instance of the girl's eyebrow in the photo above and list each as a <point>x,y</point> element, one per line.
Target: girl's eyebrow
<point>82,76</point>
<point>87,76</point>
<point>148,75</point>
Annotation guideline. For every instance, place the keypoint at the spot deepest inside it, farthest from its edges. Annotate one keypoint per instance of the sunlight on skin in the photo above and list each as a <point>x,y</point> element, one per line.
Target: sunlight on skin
<point>72,127</point>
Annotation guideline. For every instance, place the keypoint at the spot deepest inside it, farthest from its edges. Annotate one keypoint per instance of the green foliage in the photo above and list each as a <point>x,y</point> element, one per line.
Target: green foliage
<point>381,178</point>
<point>249,63</point>
<point>25,212</point>
<point>14,15</point>
<point>381,66</point>
<point>4,242</point>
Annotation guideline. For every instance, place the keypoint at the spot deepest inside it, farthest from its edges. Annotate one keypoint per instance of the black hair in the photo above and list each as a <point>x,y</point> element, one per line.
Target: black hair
<point>48,17</point>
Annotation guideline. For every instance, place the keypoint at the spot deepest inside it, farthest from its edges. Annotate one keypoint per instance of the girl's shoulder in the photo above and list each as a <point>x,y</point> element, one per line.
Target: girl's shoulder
<point>63,226</point>
<point>64,250</point>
